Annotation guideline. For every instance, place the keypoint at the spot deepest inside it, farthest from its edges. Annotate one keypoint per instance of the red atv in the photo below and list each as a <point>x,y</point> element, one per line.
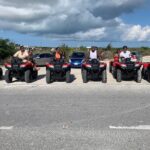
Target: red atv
<point>1,73</point>
<point>146,71</point>
<point>20,70</point>
<point>125,68</point>
<point>58,70</point>
<point>94,70</point>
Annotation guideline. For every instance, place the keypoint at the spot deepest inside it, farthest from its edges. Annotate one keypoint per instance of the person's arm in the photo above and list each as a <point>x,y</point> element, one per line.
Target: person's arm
<point>16,54</point>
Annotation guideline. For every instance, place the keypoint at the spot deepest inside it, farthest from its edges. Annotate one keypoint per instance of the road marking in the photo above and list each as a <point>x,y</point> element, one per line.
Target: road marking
<point>140,127</point>
<point>6,128</point>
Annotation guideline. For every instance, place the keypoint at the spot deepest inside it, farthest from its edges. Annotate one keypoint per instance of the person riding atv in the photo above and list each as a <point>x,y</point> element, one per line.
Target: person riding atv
<point>93,54</point>
<point>22,54</point>
<point>58,68</point>
<point>92,68</point>
<point>125,53</point>
<point>125,67</point>
<point>20,67</point>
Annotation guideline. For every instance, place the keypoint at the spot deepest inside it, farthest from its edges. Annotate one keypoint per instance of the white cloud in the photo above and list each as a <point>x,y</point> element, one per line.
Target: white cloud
<point>83,19</point>
<point>136,33</point>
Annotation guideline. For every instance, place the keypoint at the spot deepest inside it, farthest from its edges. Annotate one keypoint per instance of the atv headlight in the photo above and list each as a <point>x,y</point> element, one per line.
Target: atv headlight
<point>23,65</point>
<point>137,65</point>
<point>123,65</point>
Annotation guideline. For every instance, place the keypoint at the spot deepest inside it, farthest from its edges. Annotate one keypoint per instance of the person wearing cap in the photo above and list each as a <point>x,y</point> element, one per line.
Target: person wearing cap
<point>125,53</point>
<point>22,54</point>
<point>93,53</point>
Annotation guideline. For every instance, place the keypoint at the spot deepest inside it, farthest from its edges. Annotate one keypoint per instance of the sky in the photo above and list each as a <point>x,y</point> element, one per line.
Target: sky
<point>76,22</point>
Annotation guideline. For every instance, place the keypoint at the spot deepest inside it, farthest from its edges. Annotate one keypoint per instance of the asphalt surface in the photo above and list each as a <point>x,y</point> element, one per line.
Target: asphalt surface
<point>74,116</point>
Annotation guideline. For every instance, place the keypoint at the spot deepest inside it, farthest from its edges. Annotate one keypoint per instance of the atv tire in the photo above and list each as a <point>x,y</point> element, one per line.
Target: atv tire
<point>110,68</point>
<point>1,74</point>
<point>48,76</point>
<point>119,75</point>
<point>84,76</point>
<point>139,76</point>
<point>35,75</point>
<point>114,73</point>
<point>8,77</point>
<point>104,76</point>
<point>27,76</point>
<point>148,75</point>
<point>68,77</point>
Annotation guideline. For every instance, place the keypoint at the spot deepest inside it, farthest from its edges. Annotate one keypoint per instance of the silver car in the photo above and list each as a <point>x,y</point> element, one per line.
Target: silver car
<point>42,59</point>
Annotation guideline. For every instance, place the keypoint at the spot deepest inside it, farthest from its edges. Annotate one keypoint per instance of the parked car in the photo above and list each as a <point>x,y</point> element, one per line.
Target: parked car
<point>42,59</point>
<point>76,59</point>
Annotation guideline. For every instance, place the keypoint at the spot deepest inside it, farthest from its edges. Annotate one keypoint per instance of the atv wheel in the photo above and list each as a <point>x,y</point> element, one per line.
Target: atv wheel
<point>8,77</point>
<point>148,76</point>
<point>114,73</point>
<point>110,68</point>
<point>104,76</point>
<point>27,76</point>
<point>35,75</point>
<point>1,74</point>
<point>68,77</point>
<point>119,75</point>
<point>84,76</point>
<point>48,76</point>
<point>139,76</point>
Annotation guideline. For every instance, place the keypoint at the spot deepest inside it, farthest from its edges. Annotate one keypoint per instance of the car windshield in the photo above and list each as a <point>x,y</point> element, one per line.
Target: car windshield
<point>45,55</point>
<point>78,55</point>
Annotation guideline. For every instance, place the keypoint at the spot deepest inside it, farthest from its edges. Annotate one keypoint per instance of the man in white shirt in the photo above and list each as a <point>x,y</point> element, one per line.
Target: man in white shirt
<point>125,53</point>
<point>93,53</point>
<point>22,54</point>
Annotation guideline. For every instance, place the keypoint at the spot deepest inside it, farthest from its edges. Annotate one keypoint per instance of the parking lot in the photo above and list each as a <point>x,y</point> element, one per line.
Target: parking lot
<point>111,116</point>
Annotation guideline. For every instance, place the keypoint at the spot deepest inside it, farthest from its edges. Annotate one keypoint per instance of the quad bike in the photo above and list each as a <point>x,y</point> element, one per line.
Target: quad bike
<point>125,68</point>
<point>94,70</point>
<point>1,73</point>
<point>23,71</point>
<point>58,70</point>
<point>146,71</point>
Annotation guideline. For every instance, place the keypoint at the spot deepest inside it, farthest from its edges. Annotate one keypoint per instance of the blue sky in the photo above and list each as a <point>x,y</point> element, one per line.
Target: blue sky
<point>52,23</point>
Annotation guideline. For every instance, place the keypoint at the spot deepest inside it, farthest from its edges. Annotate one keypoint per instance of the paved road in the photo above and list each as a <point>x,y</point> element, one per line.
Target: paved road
<point>74,116</point>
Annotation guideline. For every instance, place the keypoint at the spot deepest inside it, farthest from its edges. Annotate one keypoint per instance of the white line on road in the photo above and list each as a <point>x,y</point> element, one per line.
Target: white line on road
<point>141,127</point>
<point>6,128</point>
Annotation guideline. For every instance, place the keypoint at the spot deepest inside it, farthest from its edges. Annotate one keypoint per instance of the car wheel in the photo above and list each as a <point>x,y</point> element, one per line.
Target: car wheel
<point>68,77</point>
<point>8,77</point>
<point>48,76</point>
<point>84,76</point>
<point>119,75</point>
<point>27,76</point>
<point>104,76</point>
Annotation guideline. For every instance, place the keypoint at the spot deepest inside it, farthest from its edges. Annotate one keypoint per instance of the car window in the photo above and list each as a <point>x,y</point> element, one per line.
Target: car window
<point>78,55</point>
<point>45,55</point>
<point>42,55</point>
